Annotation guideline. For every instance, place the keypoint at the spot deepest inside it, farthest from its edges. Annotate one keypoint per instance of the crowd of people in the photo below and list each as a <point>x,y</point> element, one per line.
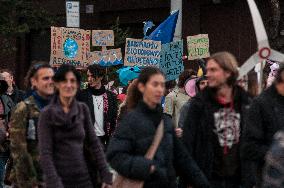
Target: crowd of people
<point>57,135</point>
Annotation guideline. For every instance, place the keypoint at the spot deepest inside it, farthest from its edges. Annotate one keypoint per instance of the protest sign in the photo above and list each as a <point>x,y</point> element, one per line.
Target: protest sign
<point>142,52</point>
<point>102,38</point>
<point>69,46</point>
<point>106,57</point>
<point>72,13</point>
<point>198,46</point>
<point>171,60</point>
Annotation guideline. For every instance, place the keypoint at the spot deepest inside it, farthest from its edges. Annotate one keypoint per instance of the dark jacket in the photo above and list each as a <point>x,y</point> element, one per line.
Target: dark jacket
<point>17,95</point>
<point>199,123</point>
<point>265,118</point>
<point>61,143</point>
<point>110,108</point>
<point>133,138</point>
<point>8,105</point>
<point>273,175</point>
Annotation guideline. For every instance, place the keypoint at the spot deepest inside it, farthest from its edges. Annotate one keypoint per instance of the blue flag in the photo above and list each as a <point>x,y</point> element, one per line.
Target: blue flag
<point>165,31</point>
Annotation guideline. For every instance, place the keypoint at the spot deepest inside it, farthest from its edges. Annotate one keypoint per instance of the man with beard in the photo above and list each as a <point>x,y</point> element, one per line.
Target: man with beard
<point>215,122</point>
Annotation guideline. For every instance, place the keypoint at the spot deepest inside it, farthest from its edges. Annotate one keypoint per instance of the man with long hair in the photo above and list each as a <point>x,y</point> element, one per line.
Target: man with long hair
<point>215,121</point>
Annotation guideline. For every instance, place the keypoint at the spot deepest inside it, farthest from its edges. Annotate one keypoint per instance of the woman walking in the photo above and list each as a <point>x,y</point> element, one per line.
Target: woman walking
<point>135,135</point>
<point>66,133</point>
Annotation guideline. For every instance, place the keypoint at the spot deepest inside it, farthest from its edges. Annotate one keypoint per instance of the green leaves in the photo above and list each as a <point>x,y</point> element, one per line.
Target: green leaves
<point>19,17</point>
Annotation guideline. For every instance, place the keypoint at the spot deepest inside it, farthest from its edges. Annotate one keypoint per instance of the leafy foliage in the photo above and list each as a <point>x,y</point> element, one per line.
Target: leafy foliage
<point>19,17</point>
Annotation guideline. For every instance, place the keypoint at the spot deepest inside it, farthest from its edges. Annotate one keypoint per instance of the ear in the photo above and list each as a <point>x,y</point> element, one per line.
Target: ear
<point>141,87</point>
<point>227,74</point>
<point>33,82</point>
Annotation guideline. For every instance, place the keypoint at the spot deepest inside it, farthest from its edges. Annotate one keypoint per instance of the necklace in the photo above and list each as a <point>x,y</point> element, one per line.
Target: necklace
<point>99,104</point>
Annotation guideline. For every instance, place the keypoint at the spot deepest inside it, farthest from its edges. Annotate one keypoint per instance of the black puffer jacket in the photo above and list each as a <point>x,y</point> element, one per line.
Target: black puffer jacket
<point>265,118</point>
<point>198,129</point>
<point>133,138</point>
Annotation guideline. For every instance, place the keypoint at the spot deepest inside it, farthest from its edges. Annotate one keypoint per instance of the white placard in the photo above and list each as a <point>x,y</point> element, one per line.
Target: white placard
<point>72,13</point>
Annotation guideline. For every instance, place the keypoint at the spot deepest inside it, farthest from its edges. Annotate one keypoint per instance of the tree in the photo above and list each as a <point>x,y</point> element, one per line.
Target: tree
<point>19,17</point>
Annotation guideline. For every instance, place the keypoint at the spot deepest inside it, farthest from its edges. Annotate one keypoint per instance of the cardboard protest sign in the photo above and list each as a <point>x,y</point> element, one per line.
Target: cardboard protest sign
<point>102,38</point>
<point>142,52</point>
<point>106,58</point>
<point>171,60</point>
<point>198,46</point>
<point>69,46</point>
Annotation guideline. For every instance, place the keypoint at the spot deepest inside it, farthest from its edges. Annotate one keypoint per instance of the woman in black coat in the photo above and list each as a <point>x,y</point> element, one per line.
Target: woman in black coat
<point>135,134</point>
<point>67,135</point>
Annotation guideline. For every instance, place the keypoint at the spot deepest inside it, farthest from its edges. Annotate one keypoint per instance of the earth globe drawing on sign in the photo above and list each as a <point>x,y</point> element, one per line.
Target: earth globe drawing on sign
<point>70,48</point>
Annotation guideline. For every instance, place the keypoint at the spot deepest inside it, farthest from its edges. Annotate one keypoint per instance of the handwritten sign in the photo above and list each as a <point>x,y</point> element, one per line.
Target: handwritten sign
<point>171,60</point>
<point>102,38</point>
<point>69,46</point>
<point>107,57</point>
<point>142,52</point>
<point>198,46</point>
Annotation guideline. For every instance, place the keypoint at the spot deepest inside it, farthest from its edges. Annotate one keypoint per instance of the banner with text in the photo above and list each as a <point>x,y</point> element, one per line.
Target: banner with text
<point>142,52</point>
<point>69,46</point>
<point>171,60</point>
<point>106,57</point>
<point>198,46</point>
<point>102,38</point>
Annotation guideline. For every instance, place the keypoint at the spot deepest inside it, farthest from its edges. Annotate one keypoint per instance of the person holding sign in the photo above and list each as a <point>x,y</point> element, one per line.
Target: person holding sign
<point>215,122</point>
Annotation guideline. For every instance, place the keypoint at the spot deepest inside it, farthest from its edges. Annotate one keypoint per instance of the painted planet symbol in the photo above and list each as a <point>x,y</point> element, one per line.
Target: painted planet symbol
<point>70,48</point>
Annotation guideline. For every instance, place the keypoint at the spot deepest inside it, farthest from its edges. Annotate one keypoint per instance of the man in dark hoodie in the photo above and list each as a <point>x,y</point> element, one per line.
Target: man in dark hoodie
<point>265,118</point>
<point>214,123</point>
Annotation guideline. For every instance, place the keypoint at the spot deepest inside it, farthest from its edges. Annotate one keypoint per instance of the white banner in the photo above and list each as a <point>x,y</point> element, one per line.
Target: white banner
<point>72,13</point>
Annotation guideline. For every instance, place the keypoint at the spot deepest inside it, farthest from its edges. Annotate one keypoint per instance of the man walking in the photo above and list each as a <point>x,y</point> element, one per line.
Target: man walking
<point>214,123</point>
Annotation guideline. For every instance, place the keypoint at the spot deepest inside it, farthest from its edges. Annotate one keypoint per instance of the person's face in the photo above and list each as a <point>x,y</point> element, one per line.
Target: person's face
<point>68,88</point>
<point>203,84</point>
<point>8,78</point>
<point>43,82</point>
<point>93,81</point>
<point>216,75</point>
<point>154,89</point>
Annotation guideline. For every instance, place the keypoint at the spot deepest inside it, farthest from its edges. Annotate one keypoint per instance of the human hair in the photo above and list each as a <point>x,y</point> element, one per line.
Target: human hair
<point>97,71</point>
<point>279,75</point>
<point>133,93</point>
<point>62,71</point>
<point>227,62</point>
<point>170,84</point>
<point>8,71</point>
<point>32,72</point>
<point>184,76</point>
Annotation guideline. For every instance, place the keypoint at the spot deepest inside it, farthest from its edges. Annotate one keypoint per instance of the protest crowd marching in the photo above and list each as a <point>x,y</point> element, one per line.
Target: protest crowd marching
<point>161,126</point>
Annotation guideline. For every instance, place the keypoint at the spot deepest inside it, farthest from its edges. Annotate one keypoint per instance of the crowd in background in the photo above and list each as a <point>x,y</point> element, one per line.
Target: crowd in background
<point>214,133</point>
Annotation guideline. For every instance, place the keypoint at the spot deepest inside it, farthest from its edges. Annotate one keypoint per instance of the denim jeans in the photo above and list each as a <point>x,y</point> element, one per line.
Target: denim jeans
<point>3,161</point>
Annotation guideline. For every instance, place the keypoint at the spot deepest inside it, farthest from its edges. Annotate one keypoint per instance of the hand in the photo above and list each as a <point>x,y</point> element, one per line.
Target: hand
<point>104,185</point>
<point>179,132</point>
<point>152,169</point>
